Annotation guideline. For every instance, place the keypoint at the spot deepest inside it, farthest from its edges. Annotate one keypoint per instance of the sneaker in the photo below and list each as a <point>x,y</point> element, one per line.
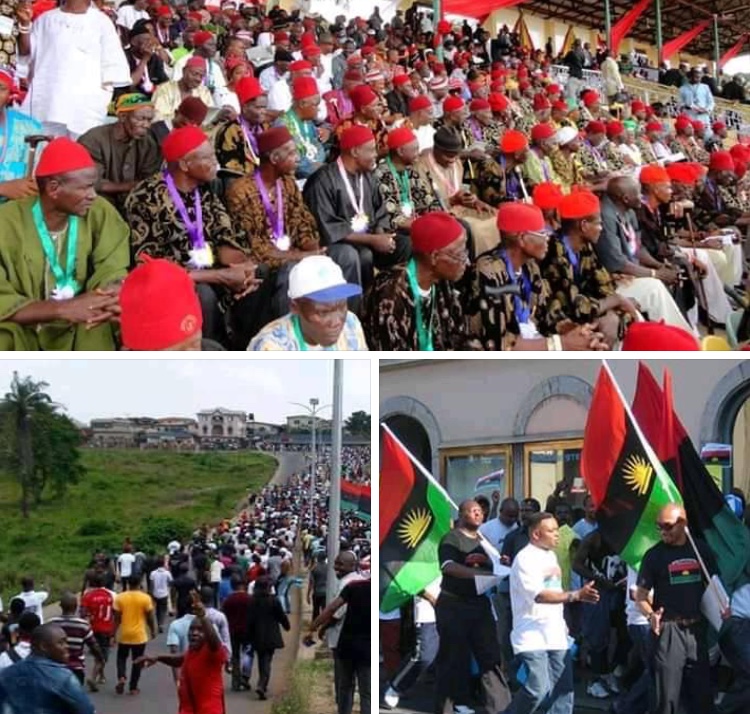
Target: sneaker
<point>261,694</point>
<point>92,685</point>
<point>391,697</point>
<point>619,671</point>
<point>610,681</point>
<point>462,709</point>
<point>597,690</point>
<point>120,688</point>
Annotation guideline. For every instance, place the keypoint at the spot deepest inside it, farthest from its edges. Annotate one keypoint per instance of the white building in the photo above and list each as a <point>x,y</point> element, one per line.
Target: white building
<point>222,424</point>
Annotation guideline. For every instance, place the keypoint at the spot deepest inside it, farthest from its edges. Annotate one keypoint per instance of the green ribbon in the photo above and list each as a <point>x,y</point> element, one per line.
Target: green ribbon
<point>64,279</point>
<point>402,179</point>
<point>424,332</point>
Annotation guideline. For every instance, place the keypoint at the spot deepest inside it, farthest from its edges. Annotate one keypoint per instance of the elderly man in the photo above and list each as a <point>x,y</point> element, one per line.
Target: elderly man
<point>175,215</point>
<point>277,228</point>
<point>76,61</point>
<point>538,165</point>
<point>146,66</point>
<point>319,319</point>
<point>414,306</point>
<point>168,96</point>
<point>205,47</point>
<point>62,255</point>
<point>352,220</point>
<point>236,141</point>
<point>697,99</point>
<point>672,570</point>
<point>125,152</point>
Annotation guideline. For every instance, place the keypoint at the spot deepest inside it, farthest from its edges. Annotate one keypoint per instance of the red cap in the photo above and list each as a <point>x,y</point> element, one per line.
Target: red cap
<point>198,62</point>
<point>368,50</point>
<point>596,127</point>
<point>590,97</point>
<point>61,156</point>
<point>272,139</point>
<point>519,218</point>
<point>721,161</point>
<point>578,205</point>
<point>401,79</point>
<point>280,37</point>
<point>6,78</point>
<point>718,126</point>
<point>547,196</point>
<point>658,337</point>
<point>513,141</point>
<point>304,87</point>
<point>561,105</point>
<point>307,39</point>
<point>353,75</point>
<point>453,104</point>
<point>498,102</point>
<point>741,152</point>
<point>684,172</point>
<point>698,126</point>
<point>300,66</point>
<point>160,308</point>
<point>419,103</point>
<point>444,27</point>
<point>311,51</point>
<point>541,102</point>
<point>637,106</point>
<point>740,168</point>
<point>615,128</point>
<point>164,11</point>
<point>193,109</point>
<point>654,126</point>
<point>434,231</point>
<point>554,89</point>
<point>201,37</point>
<point>180,142</point>
<point>401,137</point>
<point>653,173</point>
<point>523,85</point>
<point>540,132</point>
<point>362,96</point>
<point>247,89</point>
<point>355,136</point>
<point>479,105</point>
<point>682,122</point>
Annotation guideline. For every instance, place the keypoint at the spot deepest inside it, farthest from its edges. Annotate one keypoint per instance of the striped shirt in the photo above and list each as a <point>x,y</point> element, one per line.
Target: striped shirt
<point>79,633</point>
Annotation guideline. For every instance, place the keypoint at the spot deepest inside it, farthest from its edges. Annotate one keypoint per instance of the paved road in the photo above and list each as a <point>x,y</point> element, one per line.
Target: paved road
<point>158,694</point>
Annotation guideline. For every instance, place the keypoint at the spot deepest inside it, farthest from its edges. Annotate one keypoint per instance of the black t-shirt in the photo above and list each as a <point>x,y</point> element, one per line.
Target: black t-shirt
<point>183,585</point>
<point>354,640</point>
<point>675,575</point>
<point>455,547</point>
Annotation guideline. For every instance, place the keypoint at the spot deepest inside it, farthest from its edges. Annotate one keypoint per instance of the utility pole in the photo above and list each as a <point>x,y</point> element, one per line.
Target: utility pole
<point>334,503</point>
<point>313,470</point>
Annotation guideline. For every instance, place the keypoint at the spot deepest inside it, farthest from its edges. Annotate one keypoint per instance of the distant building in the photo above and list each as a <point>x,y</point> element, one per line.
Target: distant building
<point>304,422</point>
<point>262,428</point>
<point>119,433</point>
<point>222,424</point>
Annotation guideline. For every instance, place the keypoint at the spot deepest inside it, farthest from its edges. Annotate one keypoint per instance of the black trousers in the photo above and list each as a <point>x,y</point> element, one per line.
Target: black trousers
<point>349,674</point>
<point>319,604</point>
<point>681,658</point>
<point>466,627</point>
<point>264,657</point>
<point>162,605</point>
<point>134,651</point>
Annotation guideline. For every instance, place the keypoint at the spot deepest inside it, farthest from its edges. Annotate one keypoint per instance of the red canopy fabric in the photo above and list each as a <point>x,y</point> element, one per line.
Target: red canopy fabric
<point>674,46</point>
<point>476,8</point>
<point>625,24</point>
<point>732,53</point>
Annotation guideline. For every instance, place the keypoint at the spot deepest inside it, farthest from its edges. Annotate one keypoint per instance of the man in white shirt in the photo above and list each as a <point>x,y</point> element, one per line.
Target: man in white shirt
<point>34,599</point>
<point>540,635</point>
<point>129,14</point>
<point>125,567</point>
<point>27,623</point>
<point>696,97</point>
<point>161,579</point>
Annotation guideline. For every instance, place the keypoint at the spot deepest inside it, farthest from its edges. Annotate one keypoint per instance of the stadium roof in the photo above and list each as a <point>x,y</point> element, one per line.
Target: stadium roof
<point>678,16</point>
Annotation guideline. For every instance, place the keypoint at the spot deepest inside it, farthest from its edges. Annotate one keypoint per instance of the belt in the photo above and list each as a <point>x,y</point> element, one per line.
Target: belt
<point>684,621</point>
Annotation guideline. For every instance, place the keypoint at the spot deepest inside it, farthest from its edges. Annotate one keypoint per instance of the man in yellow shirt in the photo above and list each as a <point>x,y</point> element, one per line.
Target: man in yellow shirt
<point>135,621</point>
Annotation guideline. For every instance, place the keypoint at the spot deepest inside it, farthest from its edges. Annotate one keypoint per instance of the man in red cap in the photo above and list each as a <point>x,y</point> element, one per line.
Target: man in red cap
<point>159,309</point>
<point>275,227</point>
<point>175,215</point>
<point>594,157</point>
<point>236,141</point>
<point>369,109</point>
<point>483,126</point>
<point>339,103</point>
<point>720,135</point>
<point>300,120</point>
<point>685,142</point>
<point>581,290</point>
<point>414,306</point>
<point>398,98</point>
<point>204,43</point>
<point>537,168</point>
<point>421,117</point>
<point>125,152</point>
<point>169,95</point>
<point>62,256</point>
<point>592,107</point>
<point>352,221</point>
<point>405,193</point>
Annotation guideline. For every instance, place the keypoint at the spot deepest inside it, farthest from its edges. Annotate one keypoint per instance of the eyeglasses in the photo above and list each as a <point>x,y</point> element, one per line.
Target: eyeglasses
<point>459,257</point>
<point>667,527</point>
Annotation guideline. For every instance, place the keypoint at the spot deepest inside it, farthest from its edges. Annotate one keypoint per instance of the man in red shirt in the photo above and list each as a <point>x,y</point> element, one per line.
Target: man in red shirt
<point>201,688</point>
<point>96,607</point>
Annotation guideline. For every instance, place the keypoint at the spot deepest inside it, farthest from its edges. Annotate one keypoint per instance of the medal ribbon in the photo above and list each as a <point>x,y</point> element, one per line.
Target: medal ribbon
<point>522,302</point>
<point>402,181</point>
<point>62,279</point>
<point>572,257</point>
<point>194,229</point>
<point>424,332</point>
<point>301,338</point>
<point>359,207</point>
<point>250,138</point>
<point>298,129</point>
<point>275,221</point>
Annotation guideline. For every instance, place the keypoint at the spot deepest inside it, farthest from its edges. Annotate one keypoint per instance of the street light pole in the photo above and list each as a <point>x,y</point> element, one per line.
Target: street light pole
<point>334,514</point>
<point>313,409</point>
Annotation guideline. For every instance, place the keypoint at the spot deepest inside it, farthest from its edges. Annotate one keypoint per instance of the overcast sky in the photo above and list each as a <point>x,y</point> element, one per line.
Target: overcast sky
<point>91,388</point>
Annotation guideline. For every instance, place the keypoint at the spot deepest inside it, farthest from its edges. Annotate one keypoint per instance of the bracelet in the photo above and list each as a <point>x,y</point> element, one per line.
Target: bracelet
<point>653,273</point>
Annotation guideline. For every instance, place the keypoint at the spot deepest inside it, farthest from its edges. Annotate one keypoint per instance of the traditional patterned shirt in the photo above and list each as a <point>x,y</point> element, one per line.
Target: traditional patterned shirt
<point>169,96</point>
<point>538,168</point>
<point>592,161</point>
<point>233,150</point>
<point>420,194</point>
<point>280,335</point>
<point>8,42</point>
<point>688,146</point>
<point>614,157</point>
<point>310,147</point>
<point>566,168</point>
<point>647,151</point>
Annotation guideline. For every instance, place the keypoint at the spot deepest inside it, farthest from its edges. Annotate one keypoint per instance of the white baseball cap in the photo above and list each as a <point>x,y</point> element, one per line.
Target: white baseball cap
<point>566,135</point>
<point>319,278</point>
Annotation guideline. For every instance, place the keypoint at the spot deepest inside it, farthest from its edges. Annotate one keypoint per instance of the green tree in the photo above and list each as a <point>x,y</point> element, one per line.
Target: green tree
<point>358,423</point>
<point>57,460</point>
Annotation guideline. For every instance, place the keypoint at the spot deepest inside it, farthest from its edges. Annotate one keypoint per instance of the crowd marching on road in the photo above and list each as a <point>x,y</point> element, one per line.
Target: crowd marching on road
<point>223,599</point>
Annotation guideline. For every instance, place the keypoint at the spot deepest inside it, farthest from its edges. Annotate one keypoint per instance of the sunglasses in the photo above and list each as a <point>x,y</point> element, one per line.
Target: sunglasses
<point>667,527</point>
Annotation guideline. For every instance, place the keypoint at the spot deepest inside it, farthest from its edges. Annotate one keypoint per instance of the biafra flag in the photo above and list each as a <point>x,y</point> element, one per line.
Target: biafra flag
<point>627,482</point>
<point>355,497</point>
<point>708,515</point>
<point>415,513</point>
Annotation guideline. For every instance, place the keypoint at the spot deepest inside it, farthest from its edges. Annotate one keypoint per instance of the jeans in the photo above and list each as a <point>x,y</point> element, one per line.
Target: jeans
<point>734,640</point>
<point>135,651</point>
<point>424,654</point>
<point>282,590</point>
<point>549,684</point>
<point>347,672</point>
<point>241,651</point>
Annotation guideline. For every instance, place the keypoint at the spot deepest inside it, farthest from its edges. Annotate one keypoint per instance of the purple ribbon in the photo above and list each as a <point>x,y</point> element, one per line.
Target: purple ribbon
<point>476,130</point>
<point>194,229</point>
<point>276,221</point>
<point>250,137</point>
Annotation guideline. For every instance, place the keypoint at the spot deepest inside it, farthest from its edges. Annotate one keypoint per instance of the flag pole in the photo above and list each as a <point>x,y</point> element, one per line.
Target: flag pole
<point>706,574</point>
<point>334,514</point>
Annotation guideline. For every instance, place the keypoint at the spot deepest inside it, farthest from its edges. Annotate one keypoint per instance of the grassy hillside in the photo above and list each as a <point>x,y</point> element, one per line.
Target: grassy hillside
<point>138,494</point>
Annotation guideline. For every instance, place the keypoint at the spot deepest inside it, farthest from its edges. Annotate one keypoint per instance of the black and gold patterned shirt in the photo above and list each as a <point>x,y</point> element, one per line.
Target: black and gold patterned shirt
<point>233,150</point>
<point>421,195</point>
<point>8,43</point>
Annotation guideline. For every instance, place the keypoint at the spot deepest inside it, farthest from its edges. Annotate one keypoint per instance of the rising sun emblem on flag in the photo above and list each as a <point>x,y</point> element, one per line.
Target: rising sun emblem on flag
<point>412,529</point>
<point>638,474</point>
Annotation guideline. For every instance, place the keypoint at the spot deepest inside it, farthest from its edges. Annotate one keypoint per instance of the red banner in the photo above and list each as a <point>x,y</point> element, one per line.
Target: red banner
<point>476,8</point>
<point>621,28</point>
<point>674,46</point>
<point>731,54</point>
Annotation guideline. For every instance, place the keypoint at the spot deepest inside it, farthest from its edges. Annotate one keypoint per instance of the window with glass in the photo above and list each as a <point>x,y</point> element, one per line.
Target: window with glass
<point>554,467</point>
<point>476,471</point>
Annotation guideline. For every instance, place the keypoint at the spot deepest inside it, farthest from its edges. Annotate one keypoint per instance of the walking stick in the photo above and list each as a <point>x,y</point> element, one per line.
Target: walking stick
<point>33,141</point>
<point>701,286</point>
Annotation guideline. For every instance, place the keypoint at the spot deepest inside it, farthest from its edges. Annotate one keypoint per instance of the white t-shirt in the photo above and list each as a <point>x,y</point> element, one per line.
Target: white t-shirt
<point>216,568</point>
<point>424,612</point>
<point>633,615</point>
<point>127,16</point>
<point>495,531</point>
<point>536,626</point>
<point>125,561</point>
<point>161,579</point>
<point>23,650</point>
<point>34,600</point>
